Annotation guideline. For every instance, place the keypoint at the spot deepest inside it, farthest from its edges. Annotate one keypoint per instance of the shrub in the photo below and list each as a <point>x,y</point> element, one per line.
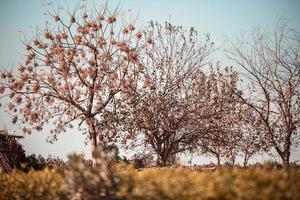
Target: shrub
<point>86,182</point>
<point>236,183</point>
<point>262,183</point>
<point>121,181</point>
<point>46,184</point>
<point>142,160</point>
<point>39,162</point>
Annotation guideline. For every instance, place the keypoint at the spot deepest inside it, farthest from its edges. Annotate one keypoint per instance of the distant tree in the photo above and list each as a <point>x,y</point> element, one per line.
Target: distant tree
<point>163,110</point>
<point>221,108</point>
<point>271,62</point>
<point>77,70</point>
<point>251,141</point>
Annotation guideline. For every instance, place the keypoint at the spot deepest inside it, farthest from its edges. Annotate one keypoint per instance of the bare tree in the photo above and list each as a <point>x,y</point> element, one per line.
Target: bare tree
<point>80,69</point>
<point>164,111</point>
<point>251,141</point>
<point>222,110</point>
<point>271,61</point>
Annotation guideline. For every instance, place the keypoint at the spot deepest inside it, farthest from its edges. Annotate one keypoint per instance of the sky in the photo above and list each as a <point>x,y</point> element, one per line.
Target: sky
<point>223,19</point>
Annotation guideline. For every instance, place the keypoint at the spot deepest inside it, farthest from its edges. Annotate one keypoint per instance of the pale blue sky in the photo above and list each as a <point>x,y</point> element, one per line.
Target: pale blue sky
<point>222,18</point>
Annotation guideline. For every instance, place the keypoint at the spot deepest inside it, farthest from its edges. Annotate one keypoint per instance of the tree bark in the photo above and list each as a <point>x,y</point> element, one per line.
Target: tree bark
<point>284,155</point>
<point>285,158</point>
<point>233,161</point>
<point>246,159</point>
<point>162,161</point>
<point>93,138</point>
<point>218,159</point>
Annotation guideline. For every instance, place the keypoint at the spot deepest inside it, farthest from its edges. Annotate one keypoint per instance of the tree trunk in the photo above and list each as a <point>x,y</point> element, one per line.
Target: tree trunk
<point>246,159</point>
<point>161,161</point>
<point>218,159</point>
<point>285,156</point>
<point>93,138</point>
<point>233,160</point>
<point>94,146</point>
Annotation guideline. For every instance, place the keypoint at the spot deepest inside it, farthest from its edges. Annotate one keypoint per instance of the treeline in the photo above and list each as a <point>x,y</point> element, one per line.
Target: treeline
<point>159,88</point>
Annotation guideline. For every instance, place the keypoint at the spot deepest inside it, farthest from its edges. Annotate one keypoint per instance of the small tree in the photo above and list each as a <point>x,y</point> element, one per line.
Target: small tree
<point>272,63</point>
<point>222,109</point>
<point>251,140</point>
<point>80,69</point>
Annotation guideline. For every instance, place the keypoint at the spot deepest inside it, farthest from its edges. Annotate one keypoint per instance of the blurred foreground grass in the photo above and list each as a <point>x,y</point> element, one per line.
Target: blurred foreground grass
<point>111,181</point>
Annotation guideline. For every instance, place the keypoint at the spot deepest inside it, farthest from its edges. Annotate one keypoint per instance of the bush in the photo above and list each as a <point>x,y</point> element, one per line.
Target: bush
<point>238,183</point>
<point>83,181</point>
<point>142,160</point>
<point>121,181</point>
<point>39,162</point>
<point>46,184</point>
